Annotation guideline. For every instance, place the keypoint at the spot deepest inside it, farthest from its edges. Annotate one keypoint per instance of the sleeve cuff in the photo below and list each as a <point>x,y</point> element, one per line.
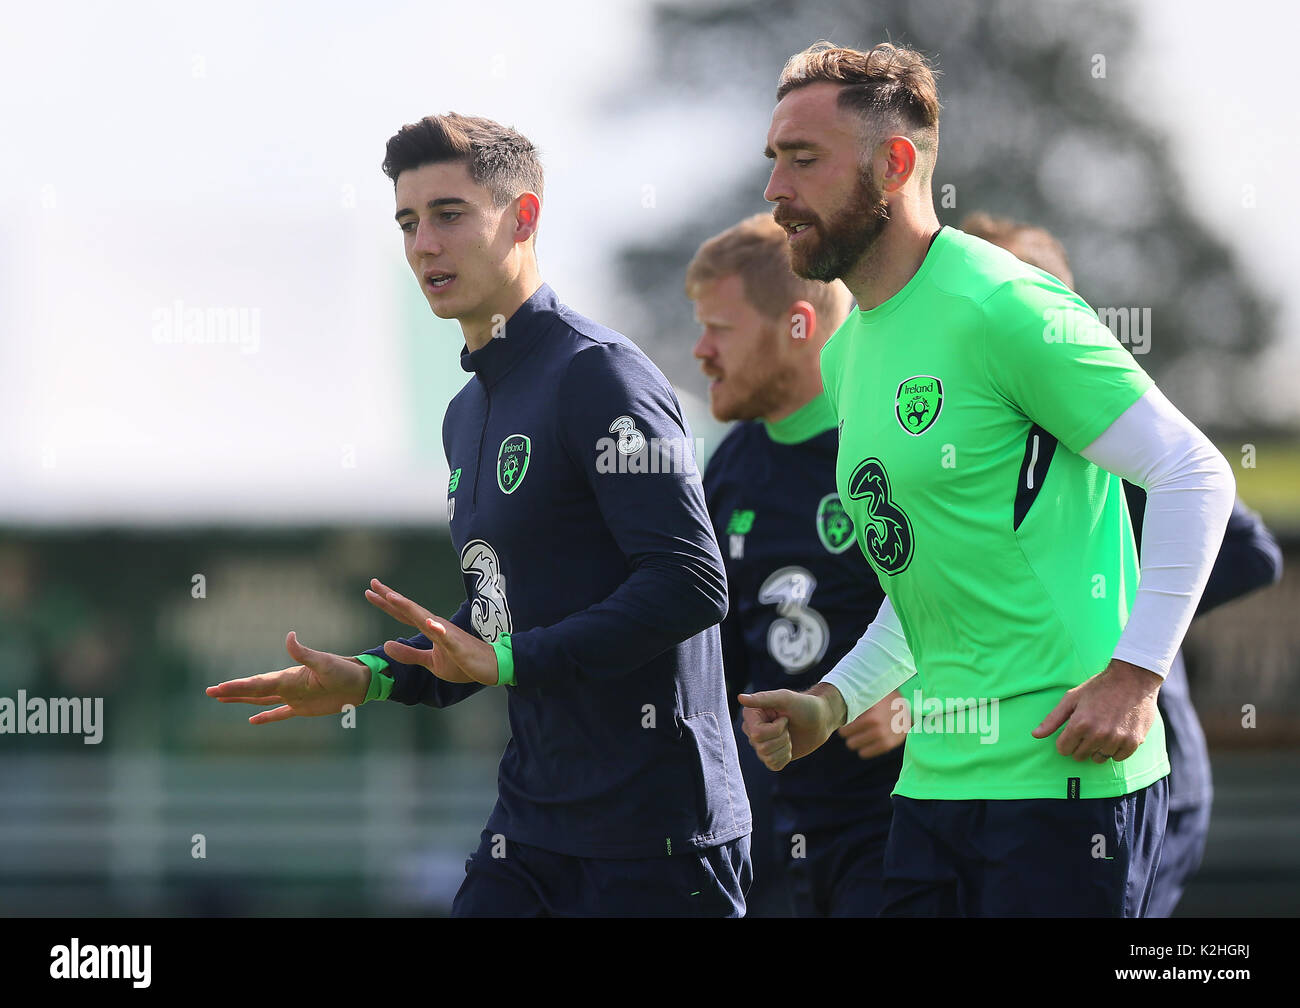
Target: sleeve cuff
<point>380,685</point>
<point>879,663</point>
<point>505,660</point>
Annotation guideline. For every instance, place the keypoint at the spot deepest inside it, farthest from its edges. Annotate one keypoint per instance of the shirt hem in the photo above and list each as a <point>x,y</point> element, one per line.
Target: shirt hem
<point>1107,789</point>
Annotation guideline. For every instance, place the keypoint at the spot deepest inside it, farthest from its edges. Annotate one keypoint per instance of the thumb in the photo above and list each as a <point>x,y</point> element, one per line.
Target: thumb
<point>769,702</point>
<point>298,652</point>
<point>1059,715</point>
<point>404,654</point>
<point>439,632</point>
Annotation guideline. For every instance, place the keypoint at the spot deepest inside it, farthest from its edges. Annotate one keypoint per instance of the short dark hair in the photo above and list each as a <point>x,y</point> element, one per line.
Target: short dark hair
<point>888,84</point>
<point>498,157</point>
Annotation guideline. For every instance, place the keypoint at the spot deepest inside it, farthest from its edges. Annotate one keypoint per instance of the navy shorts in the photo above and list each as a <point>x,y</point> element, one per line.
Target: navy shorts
<point>1091,857</point>
<point>532,882</point>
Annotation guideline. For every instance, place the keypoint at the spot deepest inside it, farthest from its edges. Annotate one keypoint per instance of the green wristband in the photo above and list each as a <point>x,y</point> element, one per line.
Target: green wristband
<point>380,685</point>
<point>505,660</point>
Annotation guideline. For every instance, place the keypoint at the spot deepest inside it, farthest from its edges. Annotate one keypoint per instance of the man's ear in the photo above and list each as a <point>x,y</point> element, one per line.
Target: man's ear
<point>803,320</point>
<point>900,163</point>
<point>528,211</point>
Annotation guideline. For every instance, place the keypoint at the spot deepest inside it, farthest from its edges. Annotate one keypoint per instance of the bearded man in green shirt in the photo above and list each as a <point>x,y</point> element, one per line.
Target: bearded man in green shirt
<point>985,417</point>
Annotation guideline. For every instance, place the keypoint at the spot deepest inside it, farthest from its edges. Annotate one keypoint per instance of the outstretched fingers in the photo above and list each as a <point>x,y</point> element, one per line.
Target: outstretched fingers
<point>261,701</point>
<point>253,689</point>
<point>279,714</point>
<point>380,600</point>
<point>396,605</point>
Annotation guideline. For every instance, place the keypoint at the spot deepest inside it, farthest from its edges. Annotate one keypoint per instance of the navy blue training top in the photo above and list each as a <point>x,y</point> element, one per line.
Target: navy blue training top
<point>580,522</point>
<point>802,594</point>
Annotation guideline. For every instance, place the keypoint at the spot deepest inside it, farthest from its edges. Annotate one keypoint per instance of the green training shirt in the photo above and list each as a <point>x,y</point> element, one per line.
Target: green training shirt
<point>963,402</point>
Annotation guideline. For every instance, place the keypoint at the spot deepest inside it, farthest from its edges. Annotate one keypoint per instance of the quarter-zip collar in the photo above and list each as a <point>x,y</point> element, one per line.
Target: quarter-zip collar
<point>521,331</point>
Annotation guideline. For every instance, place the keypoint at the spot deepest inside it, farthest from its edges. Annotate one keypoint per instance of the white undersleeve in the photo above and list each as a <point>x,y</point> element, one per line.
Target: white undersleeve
<point>875,666</point>
<point>1190,492</point>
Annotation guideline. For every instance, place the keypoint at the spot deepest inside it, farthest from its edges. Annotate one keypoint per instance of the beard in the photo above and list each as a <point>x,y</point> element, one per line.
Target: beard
<point>758,384</point>
<point>843,239</point>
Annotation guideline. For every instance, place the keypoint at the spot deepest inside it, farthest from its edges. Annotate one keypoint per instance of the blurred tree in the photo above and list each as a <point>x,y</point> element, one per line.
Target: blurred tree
<point>1038,123</point>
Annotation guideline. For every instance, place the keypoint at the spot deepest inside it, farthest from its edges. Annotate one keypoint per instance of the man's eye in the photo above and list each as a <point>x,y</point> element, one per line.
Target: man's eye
<point>804,161</point>
<point>407,226</point>
<point>450,215</point>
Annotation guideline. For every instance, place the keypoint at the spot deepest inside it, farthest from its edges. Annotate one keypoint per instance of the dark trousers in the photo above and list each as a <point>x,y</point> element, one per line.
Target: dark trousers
<point>841,876</point>
<point>526,881</point>
<point>1093,857</point>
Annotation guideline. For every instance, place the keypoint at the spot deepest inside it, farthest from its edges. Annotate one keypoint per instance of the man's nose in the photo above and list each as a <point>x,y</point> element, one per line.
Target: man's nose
<point>426,239</point>
<point>778,188</point>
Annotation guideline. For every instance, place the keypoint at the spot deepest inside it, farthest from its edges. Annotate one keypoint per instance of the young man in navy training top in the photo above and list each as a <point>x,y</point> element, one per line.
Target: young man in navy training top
<point>801,592</point>
<point>594,585</point>
<point>1249,558</point>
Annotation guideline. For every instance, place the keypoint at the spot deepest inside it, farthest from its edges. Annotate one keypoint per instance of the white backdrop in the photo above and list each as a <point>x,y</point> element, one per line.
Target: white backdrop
<point>204,310</point>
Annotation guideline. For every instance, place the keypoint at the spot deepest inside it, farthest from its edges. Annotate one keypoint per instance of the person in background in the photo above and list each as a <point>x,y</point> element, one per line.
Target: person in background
<point>801,591</point>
